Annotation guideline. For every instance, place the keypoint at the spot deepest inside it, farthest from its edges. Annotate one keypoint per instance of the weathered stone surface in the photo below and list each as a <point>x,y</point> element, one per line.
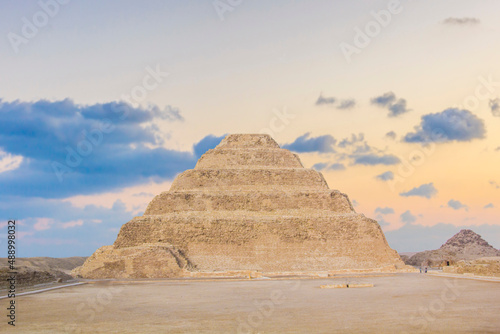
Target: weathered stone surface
<point>248,141</point>
<point>266,242</point>
<point>144,261</point>
<point>249,179</point>
<point>247,205</point>
<point>169,202</point>
<point>248,158</point>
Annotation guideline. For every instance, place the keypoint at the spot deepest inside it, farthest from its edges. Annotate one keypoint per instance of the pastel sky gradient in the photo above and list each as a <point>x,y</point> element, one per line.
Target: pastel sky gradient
<point>408,125</point>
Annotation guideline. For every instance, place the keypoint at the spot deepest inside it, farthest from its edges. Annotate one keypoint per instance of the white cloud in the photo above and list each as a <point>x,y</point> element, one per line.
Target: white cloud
<point>72,223</point>
<point>9,161</point>
<point>43,224</point>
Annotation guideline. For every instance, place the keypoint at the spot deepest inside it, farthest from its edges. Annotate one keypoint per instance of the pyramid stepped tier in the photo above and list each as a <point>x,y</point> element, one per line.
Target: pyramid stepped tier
<point>230,241</point>
<point>248,151</point>
<point>247,205</point>
<point>248,158</point>
<point>242,141</point>
<point>250,179</point>
<point>167,202</point>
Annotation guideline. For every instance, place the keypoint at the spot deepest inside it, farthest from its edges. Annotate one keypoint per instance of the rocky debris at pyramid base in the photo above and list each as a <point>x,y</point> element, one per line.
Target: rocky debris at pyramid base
<point>466,245</point>
<point>247,208</point>
<point>485,266</point>
<point>144,261</point>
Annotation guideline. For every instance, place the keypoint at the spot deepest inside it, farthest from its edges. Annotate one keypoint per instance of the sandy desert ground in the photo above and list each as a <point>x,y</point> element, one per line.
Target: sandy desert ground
<point>401,303</point>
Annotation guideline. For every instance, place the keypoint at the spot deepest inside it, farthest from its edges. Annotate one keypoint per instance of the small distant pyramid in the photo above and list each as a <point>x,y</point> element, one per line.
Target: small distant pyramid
<point>465,245</point>
<point>247,205</point>
<point>467,238</point>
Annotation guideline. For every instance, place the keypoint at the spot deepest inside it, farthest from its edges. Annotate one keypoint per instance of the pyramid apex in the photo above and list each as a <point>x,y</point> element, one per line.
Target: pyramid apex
<point>248,141</point>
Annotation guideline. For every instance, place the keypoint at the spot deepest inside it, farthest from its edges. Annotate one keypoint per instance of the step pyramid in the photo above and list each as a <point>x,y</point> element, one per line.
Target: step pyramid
<point>247,205</point>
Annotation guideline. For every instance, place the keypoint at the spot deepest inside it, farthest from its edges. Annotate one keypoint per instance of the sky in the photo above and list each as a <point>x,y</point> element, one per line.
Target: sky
<point>103,103</point>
